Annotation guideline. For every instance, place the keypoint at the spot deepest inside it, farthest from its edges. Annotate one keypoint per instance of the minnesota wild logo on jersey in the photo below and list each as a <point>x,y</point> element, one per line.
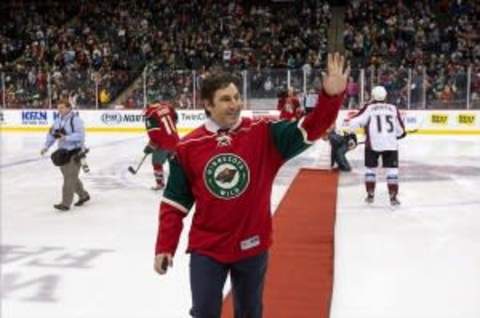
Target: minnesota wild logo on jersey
<point>226,176</point>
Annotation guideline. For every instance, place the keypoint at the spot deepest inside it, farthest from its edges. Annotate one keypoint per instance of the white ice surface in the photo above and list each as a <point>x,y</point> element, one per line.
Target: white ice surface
<point>419,260</point>
<point>422,259</point>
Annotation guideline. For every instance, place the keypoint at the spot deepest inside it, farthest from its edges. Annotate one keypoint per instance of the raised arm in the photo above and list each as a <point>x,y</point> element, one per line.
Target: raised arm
<point>293,137</point>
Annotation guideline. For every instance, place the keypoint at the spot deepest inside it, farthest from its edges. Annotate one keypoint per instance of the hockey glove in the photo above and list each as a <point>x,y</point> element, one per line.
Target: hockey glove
<point>148,149</point>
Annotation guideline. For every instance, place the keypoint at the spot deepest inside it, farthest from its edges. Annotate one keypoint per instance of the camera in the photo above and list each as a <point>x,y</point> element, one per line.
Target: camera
<point>58,133</point>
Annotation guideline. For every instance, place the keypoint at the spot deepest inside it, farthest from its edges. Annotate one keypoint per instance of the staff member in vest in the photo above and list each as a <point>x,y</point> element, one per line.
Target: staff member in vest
<point>68,130</point>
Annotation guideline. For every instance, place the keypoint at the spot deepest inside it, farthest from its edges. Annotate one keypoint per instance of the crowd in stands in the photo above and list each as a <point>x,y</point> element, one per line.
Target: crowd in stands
<point>88,48</point>
<point>100,54</point>
<point>437,40</point>
<point>26,33</point>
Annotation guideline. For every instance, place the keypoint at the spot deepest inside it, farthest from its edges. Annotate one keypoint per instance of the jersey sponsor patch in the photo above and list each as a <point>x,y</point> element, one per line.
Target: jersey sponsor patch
<point>250,243</point>
<point>226,176</point>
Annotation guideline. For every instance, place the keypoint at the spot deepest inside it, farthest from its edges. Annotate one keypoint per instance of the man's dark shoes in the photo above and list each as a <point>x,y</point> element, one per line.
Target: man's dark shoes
<point>81,201</point>
<point>61,207</point>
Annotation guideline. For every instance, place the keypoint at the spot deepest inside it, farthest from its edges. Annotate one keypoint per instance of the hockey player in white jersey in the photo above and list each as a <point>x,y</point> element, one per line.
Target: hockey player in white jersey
<point>383,127</point>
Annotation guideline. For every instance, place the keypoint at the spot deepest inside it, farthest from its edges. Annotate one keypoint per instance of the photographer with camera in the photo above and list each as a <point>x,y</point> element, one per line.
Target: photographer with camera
<point>68,130</point>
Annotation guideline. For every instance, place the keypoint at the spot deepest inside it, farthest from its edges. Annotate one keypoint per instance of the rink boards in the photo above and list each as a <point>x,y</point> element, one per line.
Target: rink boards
<point>422,121</point>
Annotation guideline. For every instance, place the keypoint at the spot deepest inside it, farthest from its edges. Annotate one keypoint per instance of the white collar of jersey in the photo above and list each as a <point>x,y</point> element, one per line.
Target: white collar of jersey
<point>213,127</point>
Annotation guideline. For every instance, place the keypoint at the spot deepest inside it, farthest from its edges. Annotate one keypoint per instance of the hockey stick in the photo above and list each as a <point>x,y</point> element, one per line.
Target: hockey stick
<point>134,171</point>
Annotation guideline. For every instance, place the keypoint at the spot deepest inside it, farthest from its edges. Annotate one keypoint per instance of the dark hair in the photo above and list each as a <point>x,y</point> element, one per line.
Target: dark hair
<point>282,93</point>
<point>214,82</point>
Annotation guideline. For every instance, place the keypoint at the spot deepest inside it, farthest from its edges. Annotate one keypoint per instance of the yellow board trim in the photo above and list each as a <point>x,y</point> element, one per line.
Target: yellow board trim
<point>435,132</point>
<point>446,132</point>
<point>183,131</point>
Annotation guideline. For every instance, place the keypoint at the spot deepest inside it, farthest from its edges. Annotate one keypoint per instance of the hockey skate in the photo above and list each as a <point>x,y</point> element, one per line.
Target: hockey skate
<point>84,166</point>
<point>394,201</point>
<point>81,158</point>
<point>370,198</point>
<point>158,187</point>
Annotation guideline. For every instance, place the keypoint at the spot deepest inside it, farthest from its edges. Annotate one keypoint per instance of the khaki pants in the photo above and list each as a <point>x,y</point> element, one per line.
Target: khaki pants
<point>71,182</point>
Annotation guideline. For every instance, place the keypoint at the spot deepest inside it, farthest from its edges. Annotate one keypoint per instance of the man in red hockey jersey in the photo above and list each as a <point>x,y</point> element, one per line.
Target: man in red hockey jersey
<point>226,167</point>
<point>160,120</point>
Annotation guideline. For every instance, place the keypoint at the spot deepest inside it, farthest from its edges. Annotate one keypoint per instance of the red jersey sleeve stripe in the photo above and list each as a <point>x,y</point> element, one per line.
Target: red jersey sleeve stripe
<point>154,128</point>
<point>175,205</point>
<point>304,132</point>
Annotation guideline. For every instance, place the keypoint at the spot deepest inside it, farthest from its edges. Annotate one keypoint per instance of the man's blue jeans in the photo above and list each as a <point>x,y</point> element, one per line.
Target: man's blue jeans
<point>208,276</point>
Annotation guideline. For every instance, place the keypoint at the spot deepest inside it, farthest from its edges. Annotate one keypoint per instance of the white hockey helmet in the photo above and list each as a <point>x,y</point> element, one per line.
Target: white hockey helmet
<point>379,93</point>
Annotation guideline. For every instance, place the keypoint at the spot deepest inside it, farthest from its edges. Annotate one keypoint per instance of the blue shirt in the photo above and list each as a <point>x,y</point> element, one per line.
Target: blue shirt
<point>75,132</point>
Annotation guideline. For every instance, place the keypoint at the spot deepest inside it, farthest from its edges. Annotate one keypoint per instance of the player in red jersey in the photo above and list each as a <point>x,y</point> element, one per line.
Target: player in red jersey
<point>160,122</point>
<point>289,105</point>
<point>226,167</point>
